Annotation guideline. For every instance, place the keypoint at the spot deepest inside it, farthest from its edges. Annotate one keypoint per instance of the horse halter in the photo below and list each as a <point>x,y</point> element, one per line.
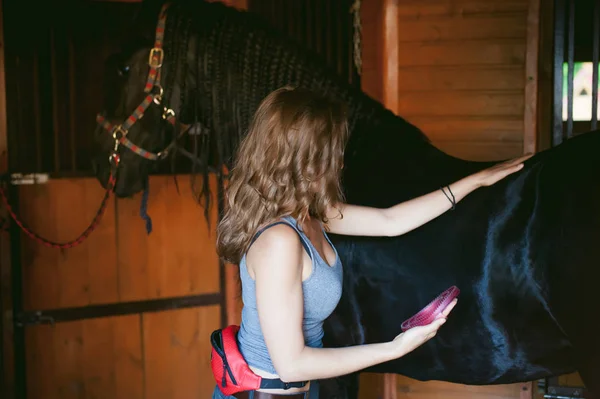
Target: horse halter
<point>155,93</point>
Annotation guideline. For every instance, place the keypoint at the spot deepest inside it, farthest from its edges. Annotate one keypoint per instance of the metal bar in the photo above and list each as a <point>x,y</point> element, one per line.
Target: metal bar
<point>55,100</point>
<point>595,51</point>
<point>337,33</point>
<point>328,32</point>
<point>303,14</point>
<point>37,117</point>
<point>309,20</point>
<point>71,94</point>
<point>559,40</point>
<point>356,77</point>
<point>289,19</point>
<point>350,46</point>
<point>556,391</point>
<point>299,23</point>
<point>571,67</point>
<point>274,10</point>
<point>16,145</point>
<point>52,316</point>
<point>317,27</point>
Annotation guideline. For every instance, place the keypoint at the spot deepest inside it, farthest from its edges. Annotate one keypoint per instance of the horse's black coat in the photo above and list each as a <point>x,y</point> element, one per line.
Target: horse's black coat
<point>524,252</point>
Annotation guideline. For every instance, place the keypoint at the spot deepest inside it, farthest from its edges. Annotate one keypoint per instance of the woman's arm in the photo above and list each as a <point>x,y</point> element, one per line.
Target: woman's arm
<point>406,216</point>
<point>276,261</point>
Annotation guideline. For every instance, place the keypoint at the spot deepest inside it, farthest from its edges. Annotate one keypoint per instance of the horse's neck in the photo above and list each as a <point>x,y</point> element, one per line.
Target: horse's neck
<point>388,165</point>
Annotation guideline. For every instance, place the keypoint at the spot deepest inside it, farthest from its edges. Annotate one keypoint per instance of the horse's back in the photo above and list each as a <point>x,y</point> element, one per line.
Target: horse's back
<point>499,246</point>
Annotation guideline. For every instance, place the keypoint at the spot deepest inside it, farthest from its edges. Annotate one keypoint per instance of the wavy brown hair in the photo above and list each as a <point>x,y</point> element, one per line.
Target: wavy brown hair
<point>288,164</point>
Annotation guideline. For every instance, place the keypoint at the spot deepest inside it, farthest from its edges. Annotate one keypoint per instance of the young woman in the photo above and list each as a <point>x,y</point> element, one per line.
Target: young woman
<point>283,195</point>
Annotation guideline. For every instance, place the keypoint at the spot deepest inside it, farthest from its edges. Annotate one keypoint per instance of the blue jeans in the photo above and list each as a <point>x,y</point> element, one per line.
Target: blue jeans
<point>313,392</point>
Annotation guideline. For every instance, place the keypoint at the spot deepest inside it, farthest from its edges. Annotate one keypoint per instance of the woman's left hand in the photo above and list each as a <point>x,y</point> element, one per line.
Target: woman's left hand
<point>491,175</point>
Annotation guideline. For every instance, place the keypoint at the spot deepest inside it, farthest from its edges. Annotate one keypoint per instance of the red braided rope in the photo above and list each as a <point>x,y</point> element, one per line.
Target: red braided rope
<point>155,62</point>
<point>86,233</point>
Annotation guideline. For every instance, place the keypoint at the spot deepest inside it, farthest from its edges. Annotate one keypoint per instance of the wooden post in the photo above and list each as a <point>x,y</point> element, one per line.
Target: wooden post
<point>526,390</point>
<point>530,140</point>
<point>391,101</point>
<point>390,55</point>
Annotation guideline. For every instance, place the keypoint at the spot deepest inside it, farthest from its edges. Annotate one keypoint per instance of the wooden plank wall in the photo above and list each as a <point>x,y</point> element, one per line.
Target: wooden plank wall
<point>149,355</point>
<point>461,73</point>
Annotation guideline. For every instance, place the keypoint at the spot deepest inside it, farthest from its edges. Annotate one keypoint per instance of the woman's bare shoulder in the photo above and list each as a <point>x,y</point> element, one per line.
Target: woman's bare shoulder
<point>277,246</point>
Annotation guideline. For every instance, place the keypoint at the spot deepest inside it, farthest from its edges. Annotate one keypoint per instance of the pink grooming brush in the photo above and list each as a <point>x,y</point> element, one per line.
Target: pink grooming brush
<point>432,310</point>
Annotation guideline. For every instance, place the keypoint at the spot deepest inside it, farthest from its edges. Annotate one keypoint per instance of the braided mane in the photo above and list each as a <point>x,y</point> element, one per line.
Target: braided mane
<point>239,60</point>
<point>221,62</point>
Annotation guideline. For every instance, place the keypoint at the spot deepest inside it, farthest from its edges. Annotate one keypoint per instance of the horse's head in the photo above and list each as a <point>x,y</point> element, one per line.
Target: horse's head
<point>137,127</point>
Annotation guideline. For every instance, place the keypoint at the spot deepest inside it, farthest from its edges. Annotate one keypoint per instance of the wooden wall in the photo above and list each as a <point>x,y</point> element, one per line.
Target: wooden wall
<point>144,355</point>
<point>458,72</point>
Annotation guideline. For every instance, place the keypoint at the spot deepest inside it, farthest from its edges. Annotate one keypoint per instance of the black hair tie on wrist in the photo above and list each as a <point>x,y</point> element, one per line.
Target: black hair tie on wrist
<point>452,200</point>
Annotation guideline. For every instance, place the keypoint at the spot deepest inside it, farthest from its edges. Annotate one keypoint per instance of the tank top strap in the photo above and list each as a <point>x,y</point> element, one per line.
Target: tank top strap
<point>300,234</point>
<point>328,239</point>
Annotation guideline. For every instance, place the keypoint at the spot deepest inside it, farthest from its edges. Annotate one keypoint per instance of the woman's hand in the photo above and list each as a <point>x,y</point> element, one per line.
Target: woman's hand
<point>489,176</point>
<point>417,336</point>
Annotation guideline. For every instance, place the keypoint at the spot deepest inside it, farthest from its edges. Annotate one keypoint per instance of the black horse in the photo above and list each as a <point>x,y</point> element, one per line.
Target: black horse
<point>525,252</point>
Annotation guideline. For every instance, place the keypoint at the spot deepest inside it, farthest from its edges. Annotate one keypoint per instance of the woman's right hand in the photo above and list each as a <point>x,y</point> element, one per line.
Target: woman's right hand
<point>413,338</point>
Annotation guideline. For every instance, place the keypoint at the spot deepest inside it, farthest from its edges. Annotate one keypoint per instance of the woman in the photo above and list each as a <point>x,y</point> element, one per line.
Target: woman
<point>283,194</point>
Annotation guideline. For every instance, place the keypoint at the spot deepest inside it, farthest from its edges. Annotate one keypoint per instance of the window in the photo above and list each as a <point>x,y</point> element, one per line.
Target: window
<point>582,91</point>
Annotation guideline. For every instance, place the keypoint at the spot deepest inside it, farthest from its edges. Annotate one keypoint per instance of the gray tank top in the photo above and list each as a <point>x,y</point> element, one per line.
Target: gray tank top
<point>322,291</point>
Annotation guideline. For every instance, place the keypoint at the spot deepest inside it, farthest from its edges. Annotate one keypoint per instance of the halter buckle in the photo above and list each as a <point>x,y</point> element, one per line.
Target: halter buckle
<point>158,97</point>
<point>168,113</point>
<point>155,59</point>
<point>114,157</point>
<point>115,153</point>
<point>119,129</point>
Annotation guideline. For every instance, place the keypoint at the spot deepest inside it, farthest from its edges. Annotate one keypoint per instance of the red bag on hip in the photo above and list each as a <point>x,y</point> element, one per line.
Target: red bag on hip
<point>230,370</point>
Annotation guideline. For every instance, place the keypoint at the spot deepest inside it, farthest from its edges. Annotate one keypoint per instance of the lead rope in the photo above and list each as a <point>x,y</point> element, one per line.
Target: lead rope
<point>112,179</point>
<point>144,207</point>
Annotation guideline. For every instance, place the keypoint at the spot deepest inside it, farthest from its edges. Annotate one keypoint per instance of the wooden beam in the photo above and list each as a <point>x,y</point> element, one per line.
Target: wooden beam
<point>390,389</point>
<point>390,55</point>
<point>527,390</point>
<point>239,4</point>
<point>391,100</point>
<point>530,117</point>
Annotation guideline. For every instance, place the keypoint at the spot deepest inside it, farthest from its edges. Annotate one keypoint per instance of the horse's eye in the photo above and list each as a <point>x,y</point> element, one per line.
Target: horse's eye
<point>123,70</point>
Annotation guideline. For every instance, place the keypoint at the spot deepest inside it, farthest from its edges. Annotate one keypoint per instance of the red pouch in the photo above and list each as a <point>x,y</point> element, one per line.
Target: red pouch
<point>230,370</point>
<point>432,310</point>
